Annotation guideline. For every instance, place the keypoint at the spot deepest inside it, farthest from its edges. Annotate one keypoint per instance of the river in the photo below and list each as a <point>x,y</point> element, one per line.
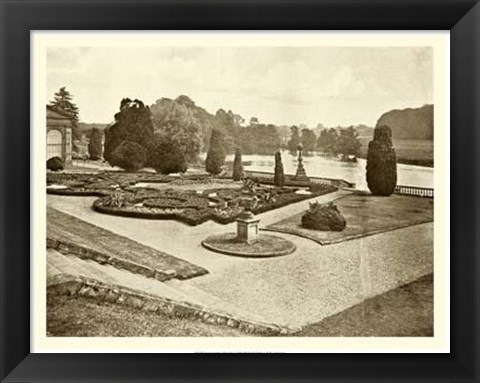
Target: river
<point>319,166</point>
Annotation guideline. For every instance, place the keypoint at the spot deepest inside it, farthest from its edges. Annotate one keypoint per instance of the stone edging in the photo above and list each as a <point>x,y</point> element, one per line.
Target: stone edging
<point>234,252</point>
<point>86,253</point>
<point>64,284</point>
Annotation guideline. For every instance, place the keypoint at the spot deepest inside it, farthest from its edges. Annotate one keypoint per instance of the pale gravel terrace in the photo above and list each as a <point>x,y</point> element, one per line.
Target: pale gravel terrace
<point>301,288</point>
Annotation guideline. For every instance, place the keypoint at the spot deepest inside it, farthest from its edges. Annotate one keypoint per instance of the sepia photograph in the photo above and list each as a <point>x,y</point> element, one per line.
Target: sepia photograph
<point>241,187</point>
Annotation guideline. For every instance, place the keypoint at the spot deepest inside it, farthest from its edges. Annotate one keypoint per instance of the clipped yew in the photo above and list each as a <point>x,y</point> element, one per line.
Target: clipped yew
<point>95,145</point>
<point>279,176</point>
<point>166,157</point>
<point>381,163</point>
<point>216,153</point>
<point>237,166</point>
<point>129,156</point>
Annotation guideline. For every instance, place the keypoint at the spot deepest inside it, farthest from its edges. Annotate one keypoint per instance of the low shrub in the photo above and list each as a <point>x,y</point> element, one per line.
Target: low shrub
<point>55,164</point>
<point>324,217</point>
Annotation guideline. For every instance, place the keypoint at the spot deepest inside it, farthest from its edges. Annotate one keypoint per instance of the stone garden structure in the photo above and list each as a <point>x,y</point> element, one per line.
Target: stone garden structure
<point>59,135</point>
<point>301,174</point>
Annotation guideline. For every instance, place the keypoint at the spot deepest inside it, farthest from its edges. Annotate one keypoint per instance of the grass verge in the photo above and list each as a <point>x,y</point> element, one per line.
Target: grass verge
<point>83,317</point>
<point>404,311</point>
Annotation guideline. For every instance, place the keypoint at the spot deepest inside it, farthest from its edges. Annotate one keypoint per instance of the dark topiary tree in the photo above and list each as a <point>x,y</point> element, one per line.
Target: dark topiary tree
<point>237,166</point>
<point>129,156</point>
<point>216,153</point>
<point>166,157</point>
<point>132,123</point>
<point>381,162</point>
<point>279,177</point>
<point>95,145</point>
<point>54,164</point>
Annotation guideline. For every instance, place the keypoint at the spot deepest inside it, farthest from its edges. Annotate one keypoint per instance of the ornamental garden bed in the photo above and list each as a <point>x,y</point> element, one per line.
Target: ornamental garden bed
<point>99,184</point>
<point>365,215</point>
<point>191,199</point>
<point>107,182</point>
<point>222,205</point>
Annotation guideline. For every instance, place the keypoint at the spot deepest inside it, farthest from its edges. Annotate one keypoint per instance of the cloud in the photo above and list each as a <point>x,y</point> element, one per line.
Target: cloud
<point>284,85</point>
<point>345,83</point>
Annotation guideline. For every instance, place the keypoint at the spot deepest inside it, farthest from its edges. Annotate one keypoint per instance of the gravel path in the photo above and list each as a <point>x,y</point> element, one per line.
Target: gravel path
<point>301,288</point>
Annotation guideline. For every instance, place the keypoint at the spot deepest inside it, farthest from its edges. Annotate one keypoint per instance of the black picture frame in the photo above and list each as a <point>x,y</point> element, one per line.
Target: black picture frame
<point>19,17</point>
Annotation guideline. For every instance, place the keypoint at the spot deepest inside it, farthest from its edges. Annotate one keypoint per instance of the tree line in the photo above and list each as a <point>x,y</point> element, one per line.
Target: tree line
<point>171,134</point>
<point>179,129</point>
<point>343,141</point>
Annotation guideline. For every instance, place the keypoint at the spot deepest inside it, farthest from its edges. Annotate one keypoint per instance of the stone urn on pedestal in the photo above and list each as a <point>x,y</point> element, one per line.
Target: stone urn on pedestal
<point>247,224</point>
<point>247,242</point>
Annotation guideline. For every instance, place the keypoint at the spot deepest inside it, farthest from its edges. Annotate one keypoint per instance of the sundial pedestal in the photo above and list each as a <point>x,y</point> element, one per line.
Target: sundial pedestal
<point>247,228</point>
<point>247,242</point>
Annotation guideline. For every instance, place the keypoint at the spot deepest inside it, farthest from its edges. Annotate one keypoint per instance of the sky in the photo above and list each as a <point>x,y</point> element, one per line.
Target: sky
<point>280,85</point>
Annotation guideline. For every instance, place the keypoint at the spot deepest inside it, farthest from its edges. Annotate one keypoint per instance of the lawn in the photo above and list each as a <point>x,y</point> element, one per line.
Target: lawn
<point>404,311</point>
<point>365,215</point>
<point>83,317</point>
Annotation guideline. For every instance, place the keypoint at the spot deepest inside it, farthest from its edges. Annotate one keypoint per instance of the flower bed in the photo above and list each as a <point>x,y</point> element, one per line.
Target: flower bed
<point>220,205</point>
